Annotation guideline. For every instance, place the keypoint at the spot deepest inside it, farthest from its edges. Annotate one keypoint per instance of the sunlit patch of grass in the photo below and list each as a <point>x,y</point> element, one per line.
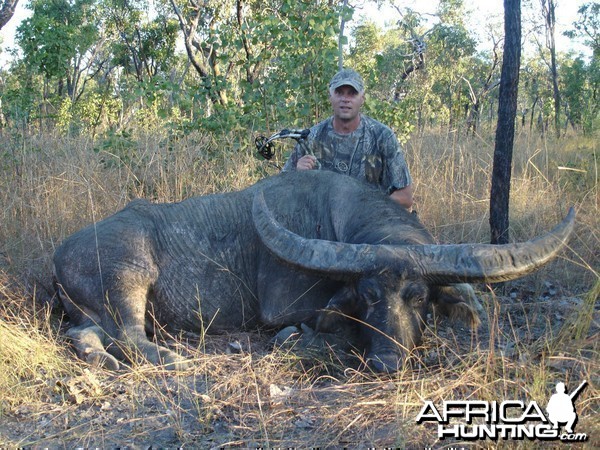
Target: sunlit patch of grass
<point>31,353</point>
<point>260,397</point>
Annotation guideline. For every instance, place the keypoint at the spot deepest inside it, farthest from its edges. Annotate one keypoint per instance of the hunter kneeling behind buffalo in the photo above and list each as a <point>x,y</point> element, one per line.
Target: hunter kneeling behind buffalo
<point>299,247</point>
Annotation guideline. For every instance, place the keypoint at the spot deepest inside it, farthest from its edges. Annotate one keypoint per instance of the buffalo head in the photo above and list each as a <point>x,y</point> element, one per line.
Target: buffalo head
<point>390,289</point>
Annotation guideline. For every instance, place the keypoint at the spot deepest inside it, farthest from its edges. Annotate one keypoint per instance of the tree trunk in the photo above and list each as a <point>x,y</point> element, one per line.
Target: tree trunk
<point>7,10</point>
<point>341,36</point>
<point>505,129</point>
<point>549,7</point>
<point>206,60</point>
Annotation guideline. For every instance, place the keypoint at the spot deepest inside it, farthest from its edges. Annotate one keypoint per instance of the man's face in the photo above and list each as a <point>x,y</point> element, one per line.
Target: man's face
<point>346,102</point>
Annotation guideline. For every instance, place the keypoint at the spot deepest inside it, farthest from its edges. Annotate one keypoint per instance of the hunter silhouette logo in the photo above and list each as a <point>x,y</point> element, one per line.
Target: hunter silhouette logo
<point>561,408</point>
<point>509,419</point>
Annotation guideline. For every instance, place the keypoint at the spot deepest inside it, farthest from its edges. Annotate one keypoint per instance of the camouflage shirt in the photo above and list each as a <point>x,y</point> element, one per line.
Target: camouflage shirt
<point>371,153</point>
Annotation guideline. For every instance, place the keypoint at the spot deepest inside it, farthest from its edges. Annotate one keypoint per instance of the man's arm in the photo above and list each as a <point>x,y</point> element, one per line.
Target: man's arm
<point>396,176</point>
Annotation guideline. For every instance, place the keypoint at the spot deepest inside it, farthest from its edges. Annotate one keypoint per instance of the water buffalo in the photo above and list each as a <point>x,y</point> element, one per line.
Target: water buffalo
<point>301,247</point>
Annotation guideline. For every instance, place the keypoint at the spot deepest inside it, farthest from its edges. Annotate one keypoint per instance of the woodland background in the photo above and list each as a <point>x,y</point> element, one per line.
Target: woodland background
<point>107,68</point>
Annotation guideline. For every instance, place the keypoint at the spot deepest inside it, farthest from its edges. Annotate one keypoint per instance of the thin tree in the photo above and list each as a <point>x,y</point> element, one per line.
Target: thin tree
<point>341,38</point>
<point>548,10</point>
<point>505,130</point>
<point>197,21</point>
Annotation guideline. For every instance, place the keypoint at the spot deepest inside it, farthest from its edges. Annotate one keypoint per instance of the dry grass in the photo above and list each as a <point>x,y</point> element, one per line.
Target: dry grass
<point>453,179</point>
<point>30,351</point>
<point>542,330</point>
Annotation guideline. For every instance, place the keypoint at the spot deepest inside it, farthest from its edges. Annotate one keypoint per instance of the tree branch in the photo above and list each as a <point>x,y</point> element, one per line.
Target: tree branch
<point>7,11</point>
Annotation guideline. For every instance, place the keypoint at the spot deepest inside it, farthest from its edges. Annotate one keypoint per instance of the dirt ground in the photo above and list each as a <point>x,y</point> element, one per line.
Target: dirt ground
<point>241,394</point>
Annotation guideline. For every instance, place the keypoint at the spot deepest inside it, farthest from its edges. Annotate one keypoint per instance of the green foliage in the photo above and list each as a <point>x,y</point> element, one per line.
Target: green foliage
<point>93,110</point>
<point>265,65</point>
<point>64,116</point>
<point>396,115</point>
<point>417,73</point>
<point>282,58</point>
<point>119,149</point>
<point>580,77</point>
<point>20,94</point>
<point>56,33</point>
<point>142,49</point>
<point>369,41</point>
<point>587,26</point>
<point>574,80</point>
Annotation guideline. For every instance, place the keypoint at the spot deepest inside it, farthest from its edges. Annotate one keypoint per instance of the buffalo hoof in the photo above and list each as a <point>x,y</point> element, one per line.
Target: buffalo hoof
<point>385,363</point>
<point>287,336</point>
<point>102,359</point>
<point>182,364</point>
<point>302,338</point>
<point>172,361</point>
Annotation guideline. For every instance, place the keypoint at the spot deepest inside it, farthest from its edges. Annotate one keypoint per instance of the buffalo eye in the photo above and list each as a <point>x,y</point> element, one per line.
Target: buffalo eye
<point>415,294</point>
<point>419,300</point>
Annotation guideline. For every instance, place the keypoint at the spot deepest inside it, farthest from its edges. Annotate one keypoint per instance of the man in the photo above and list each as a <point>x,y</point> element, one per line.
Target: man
<point>354,144</point>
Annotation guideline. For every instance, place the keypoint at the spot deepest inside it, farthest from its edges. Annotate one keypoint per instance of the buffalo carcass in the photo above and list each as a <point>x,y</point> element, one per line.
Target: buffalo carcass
<point>302,247</point>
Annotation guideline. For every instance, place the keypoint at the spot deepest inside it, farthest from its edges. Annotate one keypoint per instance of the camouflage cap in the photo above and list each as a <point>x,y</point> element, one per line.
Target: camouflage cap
<point>347,77</point>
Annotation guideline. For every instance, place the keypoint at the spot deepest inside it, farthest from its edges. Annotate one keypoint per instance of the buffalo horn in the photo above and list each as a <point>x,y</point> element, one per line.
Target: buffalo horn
<point>439,264</point>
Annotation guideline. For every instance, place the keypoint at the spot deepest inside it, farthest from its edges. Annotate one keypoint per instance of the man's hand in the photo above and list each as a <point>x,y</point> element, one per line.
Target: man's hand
<point>403,196</point>
<point>307,162</point>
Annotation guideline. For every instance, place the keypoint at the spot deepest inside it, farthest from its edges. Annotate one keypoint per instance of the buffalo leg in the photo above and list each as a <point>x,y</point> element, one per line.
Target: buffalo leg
<point>89,346</point>
<point>123,320</point>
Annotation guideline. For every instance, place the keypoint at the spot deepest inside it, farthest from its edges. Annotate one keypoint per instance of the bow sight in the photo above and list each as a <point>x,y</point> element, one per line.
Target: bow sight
<point>265,146</point>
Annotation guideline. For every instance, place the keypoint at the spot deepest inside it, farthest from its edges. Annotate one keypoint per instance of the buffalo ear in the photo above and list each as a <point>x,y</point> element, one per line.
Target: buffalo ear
<point>343,303</point>
<point>457,301</point>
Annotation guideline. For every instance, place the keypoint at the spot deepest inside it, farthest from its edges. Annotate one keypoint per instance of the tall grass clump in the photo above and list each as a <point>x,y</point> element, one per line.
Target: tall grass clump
<point>51,185</point>
<point>31,353</point>
<point>453,179</point>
